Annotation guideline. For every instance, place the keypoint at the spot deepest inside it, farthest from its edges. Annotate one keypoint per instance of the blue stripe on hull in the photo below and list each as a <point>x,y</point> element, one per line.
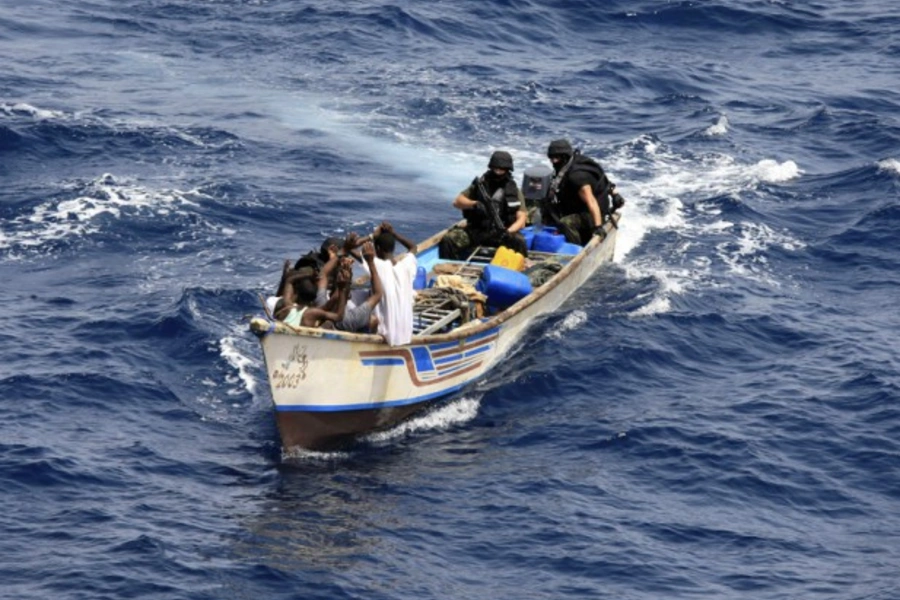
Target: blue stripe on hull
<point>370,405</point>
<point>467,354</point>
<point>423,359</point>
<point>472,338</point>
<point>425,366</point>
<point>383,362</point>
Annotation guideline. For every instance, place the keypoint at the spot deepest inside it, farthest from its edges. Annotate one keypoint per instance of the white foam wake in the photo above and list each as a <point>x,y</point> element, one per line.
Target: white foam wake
<point>453,413</point>
<point>456,412</point>
<point>656,203</point>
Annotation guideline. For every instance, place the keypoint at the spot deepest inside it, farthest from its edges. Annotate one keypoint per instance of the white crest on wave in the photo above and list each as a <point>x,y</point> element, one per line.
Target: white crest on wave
<point>573,321</point>
<point>772,171</point>
<point>21,108</point>
<point>225,385</point>
<point>657,306</point>
<point>77,217</point>
<point>746,256</point>
<point>891,165</point>
<point>241,363</point>
<point>719,128</point>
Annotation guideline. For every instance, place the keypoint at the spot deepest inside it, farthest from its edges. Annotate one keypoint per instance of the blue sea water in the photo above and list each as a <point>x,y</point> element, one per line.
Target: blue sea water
<point>715,415</point>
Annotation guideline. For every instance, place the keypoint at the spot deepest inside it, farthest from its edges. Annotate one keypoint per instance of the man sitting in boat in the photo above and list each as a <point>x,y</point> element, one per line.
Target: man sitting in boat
<point>395,310</point>
<point>358,316</point>
<point>296,306</point>
<point>494,209</point>
<point>581,198</point>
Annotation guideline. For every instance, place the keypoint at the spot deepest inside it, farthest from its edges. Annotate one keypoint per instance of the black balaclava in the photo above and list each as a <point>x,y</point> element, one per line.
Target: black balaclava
<point>562,149</point>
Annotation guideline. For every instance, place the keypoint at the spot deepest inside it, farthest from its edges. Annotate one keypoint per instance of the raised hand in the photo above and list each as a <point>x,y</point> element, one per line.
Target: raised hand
<point>351,241</point>
<point>345,273</point>
<point>368,251</point>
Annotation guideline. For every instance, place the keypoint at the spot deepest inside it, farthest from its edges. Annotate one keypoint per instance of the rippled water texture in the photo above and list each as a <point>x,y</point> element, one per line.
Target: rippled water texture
<point>714,415</point>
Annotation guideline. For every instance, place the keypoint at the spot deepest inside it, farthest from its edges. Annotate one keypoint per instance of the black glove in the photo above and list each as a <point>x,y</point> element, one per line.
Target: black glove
<point>480,210</point>
<point>600,231</point>
<point>617,201</point>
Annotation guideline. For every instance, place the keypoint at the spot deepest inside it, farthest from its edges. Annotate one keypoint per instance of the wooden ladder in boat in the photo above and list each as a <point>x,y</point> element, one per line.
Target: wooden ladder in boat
<point>431,314</point>
<point>481,255</point>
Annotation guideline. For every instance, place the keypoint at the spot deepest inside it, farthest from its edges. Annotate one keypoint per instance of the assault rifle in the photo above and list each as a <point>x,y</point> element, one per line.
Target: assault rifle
<point>551,201</point>
<point>489,205</point>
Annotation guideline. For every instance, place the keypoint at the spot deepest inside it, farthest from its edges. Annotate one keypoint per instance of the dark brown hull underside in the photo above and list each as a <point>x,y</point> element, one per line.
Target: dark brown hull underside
<point>332,430</point>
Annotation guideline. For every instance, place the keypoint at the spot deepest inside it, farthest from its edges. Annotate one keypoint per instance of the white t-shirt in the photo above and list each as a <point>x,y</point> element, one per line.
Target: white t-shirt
<point>395,310</point>
<point>271,301</point>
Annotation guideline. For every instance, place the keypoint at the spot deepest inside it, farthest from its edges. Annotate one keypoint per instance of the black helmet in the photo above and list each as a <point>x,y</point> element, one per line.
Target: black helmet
<point>501,160</point>
<point>560,148</point>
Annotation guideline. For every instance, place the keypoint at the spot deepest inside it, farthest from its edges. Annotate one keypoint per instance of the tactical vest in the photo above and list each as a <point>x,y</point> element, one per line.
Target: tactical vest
<point>569,201</point>
<point>506,207</point>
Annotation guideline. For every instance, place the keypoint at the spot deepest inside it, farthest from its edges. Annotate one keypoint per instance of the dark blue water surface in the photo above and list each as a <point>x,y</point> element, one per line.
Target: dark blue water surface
<point>715,415</point>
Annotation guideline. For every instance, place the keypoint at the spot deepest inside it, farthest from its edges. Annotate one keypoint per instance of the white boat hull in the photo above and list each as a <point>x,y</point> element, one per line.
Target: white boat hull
<point>328,386</point>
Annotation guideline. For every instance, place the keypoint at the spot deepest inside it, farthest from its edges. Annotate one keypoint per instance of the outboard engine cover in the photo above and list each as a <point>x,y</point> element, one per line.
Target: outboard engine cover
<point>536,188</point>
<point>536,184</point>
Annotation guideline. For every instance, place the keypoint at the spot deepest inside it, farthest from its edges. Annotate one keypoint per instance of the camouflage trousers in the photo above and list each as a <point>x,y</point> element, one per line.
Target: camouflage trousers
<point>578,228</point>
<point>459,242</point>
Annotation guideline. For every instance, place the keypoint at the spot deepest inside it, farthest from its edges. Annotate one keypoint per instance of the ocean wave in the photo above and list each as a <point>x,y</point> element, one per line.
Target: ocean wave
<point>105,209</point>
<point>20,109</point>
<point>726,388</point>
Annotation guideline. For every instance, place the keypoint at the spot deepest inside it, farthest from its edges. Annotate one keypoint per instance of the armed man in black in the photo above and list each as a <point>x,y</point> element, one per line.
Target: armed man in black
<point>581,198</point>
<point>494,209</point>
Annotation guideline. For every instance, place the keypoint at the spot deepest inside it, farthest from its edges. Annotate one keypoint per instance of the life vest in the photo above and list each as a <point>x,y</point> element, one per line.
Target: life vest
<point>503,196</point>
